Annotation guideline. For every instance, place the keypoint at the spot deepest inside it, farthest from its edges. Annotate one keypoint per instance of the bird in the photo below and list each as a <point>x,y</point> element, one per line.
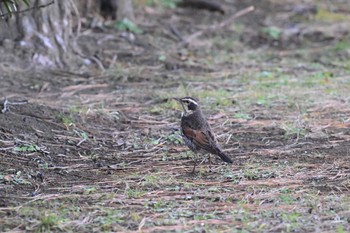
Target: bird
<point>196,131</point>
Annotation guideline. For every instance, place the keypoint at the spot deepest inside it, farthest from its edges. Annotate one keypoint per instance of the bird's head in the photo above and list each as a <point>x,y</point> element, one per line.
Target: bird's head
<point>189,104</point>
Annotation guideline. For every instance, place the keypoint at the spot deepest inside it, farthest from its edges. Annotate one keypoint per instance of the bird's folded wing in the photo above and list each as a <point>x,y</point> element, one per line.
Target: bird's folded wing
<point>198,137</point>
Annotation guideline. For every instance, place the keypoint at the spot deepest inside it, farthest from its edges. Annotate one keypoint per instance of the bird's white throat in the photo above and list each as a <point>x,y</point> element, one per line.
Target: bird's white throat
<point>187,113</point>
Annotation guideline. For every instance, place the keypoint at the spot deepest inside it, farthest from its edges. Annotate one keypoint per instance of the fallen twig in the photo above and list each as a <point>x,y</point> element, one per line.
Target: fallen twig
<point>176,32</point>
<point>216,26</point>
<point>7,103</point>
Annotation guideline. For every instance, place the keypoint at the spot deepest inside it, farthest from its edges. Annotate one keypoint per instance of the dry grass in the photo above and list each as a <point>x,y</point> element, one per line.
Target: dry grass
<point>104,153</point>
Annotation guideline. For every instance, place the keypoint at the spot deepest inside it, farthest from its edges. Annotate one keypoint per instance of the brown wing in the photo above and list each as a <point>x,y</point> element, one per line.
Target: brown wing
<point>205,141</point>
<point>199,138</point>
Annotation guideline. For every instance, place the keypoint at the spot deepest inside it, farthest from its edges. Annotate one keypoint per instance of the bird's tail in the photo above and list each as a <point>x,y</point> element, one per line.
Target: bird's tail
<point>224,157</point>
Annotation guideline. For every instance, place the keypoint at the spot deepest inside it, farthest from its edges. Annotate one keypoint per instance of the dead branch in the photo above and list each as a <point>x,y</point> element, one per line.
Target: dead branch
<point>176,32</point>
<point>6,104</point>
<point>217,26</point>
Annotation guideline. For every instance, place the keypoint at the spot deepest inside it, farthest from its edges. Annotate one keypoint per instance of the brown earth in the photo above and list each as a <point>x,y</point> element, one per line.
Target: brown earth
<point>100,150</point>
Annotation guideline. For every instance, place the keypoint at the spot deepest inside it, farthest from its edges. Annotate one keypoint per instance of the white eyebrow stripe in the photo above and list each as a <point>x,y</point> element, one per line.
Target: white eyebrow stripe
<point>191,100</point>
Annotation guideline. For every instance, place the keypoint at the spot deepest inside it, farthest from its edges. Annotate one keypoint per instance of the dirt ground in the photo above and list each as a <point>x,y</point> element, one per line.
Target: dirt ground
<point>100,150</point>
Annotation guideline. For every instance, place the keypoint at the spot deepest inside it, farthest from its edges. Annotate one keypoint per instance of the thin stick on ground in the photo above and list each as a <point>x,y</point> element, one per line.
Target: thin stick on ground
<point>216,27</point>
<point>7,103</point>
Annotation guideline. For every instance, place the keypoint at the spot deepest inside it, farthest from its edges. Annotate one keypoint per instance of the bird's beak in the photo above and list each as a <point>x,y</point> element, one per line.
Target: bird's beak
<point>179,100</point>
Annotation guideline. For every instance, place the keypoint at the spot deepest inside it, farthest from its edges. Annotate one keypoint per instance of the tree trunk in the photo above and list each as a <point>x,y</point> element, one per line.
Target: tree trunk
<point>45,34</point>
<point>124,9</point>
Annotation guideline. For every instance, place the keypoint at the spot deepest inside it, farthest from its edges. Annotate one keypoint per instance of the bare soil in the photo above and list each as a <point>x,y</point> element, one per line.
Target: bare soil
<point>100,150</point>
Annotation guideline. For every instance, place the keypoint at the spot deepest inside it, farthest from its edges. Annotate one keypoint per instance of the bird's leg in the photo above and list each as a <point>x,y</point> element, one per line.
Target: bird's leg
<point>194,166</point>
<point>209,158</point>
<point>194,158</point>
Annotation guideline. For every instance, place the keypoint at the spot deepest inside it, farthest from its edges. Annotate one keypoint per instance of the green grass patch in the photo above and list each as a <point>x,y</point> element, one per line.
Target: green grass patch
<point>324,15</point>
